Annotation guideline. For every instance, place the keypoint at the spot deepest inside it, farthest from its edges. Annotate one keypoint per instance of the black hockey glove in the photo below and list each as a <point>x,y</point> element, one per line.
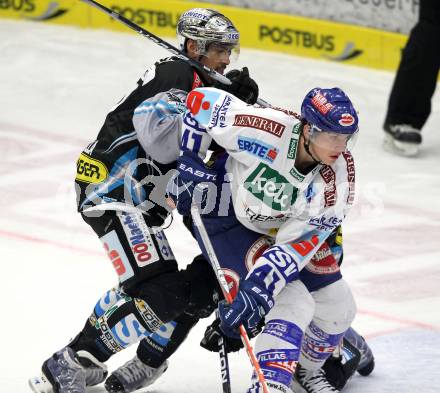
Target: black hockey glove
<point>213,333</point>
<point>339,370</point>
<point>243,86</point>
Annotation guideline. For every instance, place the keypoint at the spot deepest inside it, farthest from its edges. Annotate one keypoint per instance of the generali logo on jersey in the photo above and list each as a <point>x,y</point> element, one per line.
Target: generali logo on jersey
<point>260,123</point>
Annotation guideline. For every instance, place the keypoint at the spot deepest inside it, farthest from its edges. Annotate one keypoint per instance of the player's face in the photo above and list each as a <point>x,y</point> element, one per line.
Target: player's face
<point>327,146</point>
<point>217,57</point>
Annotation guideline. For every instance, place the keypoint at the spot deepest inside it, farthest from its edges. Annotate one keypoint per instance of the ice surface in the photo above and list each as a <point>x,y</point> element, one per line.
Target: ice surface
<point>56,86</point>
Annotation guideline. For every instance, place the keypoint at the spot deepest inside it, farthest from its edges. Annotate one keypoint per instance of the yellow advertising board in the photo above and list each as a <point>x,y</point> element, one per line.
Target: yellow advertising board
<point>258,29</point>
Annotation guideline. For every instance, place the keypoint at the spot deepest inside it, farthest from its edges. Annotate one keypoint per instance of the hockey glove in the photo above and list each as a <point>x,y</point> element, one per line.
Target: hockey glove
<point>183,187</point>
<point>243,86</point>
<point>339,370</point>
<point>213,333</point>
<point>249,307</point>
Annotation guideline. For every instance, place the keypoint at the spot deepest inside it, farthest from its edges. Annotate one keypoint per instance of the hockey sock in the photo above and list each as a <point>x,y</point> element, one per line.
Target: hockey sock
<point>283,342</point>
<point>116,322</point>
<point>317,346</point>
<point>159,346</point>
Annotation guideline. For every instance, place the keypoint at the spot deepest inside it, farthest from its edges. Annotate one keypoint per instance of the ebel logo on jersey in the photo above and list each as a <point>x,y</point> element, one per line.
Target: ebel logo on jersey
<point>271,187</point>
<point>89,170</point>
<point>257,148</point>
<point>139,238</point>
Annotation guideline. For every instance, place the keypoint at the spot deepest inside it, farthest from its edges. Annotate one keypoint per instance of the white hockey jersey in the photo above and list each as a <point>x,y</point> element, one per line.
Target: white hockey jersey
<point>269,194</point>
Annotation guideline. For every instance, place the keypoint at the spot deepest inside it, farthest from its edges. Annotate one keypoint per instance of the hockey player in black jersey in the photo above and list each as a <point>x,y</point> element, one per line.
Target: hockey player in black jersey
<point>120,194</point>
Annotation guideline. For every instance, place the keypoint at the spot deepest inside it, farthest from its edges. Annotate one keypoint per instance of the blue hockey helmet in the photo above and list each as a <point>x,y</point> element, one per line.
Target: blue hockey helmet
<point>329,110</point>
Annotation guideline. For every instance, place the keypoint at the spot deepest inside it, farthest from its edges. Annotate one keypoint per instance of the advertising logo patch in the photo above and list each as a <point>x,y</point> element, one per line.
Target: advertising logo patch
<point>297,38</point>
<point>89,170</point>
<point>346,120</point>
<point>350,176</point>
<point>150,318</point>
<point>233,280</point>
<point>323,262</point>
<point>219,113</point>
<point>257,148</point>
<point>164,246</point>
<point>271,187</point>
<point>260,123</point>
<point>293,145</point>
<point>256,250</point>
<point>139,237</point>
<point>200,102</point>
<point>324,223</point>
<point>117,255</point>
<point>321,103</point>
<point>329,176</point>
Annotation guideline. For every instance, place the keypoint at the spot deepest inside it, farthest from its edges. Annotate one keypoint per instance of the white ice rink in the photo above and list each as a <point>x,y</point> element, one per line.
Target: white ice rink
<point>56,86</point>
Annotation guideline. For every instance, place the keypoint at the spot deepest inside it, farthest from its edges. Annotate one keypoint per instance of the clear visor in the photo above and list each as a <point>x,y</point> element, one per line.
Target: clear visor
<point>219,51</point>
<point>332,140</point>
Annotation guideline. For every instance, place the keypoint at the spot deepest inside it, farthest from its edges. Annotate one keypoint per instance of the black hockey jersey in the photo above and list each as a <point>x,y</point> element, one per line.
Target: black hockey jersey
<point>114,169</point>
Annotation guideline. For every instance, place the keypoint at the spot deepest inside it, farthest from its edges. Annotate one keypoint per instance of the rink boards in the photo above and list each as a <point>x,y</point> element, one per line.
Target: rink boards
<point>260,30</point>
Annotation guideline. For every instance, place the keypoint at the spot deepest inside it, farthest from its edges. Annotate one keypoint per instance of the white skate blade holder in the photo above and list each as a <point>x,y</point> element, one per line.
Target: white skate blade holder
<point>40,384</point>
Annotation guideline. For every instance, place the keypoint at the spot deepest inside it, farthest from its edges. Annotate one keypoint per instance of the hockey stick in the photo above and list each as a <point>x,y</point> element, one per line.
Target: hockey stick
<point>225,288</point>
<point>166,45</point>
<point>224,363</point>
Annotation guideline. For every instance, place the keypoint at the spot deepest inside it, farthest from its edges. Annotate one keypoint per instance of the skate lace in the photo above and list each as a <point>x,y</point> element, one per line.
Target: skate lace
<point>315,382</point>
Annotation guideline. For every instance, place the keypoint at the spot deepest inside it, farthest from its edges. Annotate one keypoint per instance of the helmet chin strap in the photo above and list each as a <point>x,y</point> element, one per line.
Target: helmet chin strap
<point>307,149</point>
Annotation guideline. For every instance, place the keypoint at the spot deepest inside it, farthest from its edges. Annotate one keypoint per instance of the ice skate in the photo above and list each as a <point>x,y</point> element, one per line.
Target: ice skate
<point>311,381</point>
<point>402,139</point>
<point>133,375</point>
<point>69,372</point>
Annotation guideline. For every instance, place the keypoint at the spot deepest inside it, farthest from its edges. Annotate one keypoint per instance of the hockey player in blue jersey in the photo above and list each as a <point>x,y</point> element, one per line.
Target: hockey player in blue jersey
<point>291,180</point>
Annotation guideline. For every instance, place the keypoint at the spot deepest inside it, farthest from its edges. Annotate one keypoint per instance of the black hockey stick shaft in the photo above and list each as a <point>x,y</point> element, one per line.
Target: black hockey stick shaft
<point>166,45</point>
